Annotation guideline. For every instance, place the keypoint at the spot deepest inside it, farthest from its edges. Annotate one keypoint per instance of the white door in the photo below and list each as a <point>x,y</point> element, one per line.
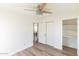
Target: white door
<point>42,33</point>
<point>50,33</point>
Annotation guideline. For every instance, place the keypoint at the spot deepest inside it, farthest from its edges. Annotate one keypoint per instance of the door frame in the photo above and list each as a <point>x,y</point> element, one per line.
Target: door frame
<point>37,31</point>
<point>45,30</point>
<point>76,33</point>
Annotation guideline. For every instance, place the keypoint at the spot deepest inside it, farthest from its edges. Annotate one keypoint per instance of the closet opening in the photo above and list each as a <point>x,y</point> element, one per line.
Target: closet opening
<point>70,36</point>
<point>35,33</point>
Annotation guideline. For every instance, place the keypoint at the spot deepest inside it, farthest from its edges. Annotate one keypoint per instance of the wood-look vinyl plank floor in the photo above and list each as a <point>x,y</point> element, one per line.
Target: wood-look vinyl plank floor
<point>70,51</point>
<point>44,50</point>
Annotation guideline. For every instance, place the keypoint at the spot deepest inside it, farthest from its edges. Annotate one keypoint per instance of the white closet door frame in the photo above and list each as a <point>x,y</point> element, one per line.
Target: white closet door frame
<point>43,38</point>
<point>50,33</point>
<point>42,32</point>
<point>63,30</point>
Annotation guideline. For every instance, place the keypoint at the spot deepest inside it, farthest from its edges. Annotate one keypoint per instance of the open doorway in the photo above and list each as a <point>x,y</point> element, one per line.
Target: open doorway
<point>35,33</point>
<point>70,36</point>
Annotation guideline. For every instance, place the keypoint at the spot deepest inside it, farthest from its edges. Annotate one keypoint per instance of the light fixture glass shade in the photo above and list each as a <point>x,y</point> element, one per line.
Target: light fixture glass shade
<point>38,12</point>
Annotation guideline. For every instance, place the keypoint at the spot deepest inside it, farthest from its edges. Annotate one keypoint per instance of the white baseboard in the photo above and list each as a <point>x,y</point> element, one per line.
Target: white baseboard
<point>60,48</point>
<point>12,53</point>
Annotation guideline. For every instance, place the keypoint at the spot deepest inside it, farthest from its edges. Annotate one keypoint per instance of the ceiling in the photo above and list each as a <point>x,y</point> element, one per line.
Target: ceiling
<point>54,7</point>
<point>16,8</point>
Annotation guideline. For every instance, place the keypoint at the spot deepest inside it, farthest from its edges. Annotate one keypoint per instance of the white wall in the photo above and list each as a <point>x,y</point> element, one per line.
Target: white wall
<point>16,31</point>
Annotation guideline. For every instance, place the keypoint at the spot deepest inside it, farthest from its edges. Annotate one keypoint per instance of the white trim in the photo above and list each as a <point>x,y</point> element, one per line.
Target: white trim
<point>77,35</point>
<point>14,52</point>
<point>77,31</point>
